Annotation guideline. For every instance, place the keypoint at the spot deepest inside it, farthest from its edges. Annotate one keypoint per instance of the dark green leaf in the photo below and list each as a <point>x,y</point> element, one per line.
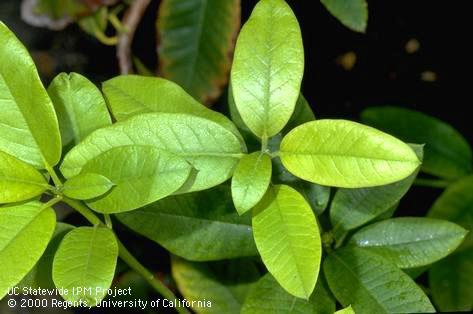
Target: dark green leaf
<point>351,13</point>
<point>196,41</point>
<point>201,226</point>
<point>370,284</point>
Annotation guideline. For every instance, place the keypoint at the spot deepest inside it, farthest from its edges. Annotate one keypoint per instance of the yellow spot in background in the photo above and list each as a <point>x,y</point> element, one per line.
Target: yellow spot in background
<point>412,46</point>
<point>347,60</point>
<point>428,76</point>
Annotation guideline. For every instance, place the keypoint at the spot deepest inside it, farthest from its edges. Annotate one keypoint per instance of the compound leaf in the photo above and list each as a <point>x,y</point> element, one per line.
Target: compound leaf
<point>26,230</point>
<point>287,237</point>
<point>346,154</point>
<point>250,181</point>
<point>28,123</point>
<point>18,180</point>
<point>211,149</point>
<point>268,67</point>
<point>79,105</point>
<point>410,242</point>
<point>86,258</point>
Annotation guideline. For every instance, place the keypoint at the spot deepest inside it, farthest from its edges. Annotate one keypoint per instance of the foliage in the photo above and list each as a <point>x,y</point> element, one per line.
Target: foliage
<point>262,243</point>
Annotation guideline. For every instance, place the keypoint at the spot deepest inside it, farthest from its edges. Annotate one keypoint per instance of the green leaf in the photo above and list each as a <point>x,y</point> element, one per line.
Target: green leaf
<point>267,296</point>
<point>224,284</point>
<point>211,149</point>
<point>41,275</point>
<point>268,67</point>
<point>288,239</point>
<point>346,154</point>
<point>86,186</point>
<point>250,181</point>
<point>28,123</point>
<point>351,13</point>
<point>316,195</point>
<point>447,153</point>
<point>57,9</point>
<point>352,208</point>
<point>196,42</point>
<point>86,258</point>
<point>451,280</point>
<point>132,95</point>
<point>410,242</point>
<point>347,310</point>
<point>456,205</point>
<point>370,284</point>
<point>18,180</point>
<point>201,226</point>
<point>26,230</point>
<point>141,174</point>
<point>79,105</point>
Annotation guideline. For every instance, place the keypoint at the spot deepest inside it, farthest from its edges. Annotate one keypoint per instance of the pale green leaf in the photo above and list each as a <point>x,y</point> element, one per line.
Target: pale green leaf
<point>451,280</point>
<point>456,205</point>
<point>370,284</point>
<point>267,296</point>
<point>86,258</point>
<point>351,13</point>
<point>287,237</point>
<point>347,310</point>
<point>86,186</point>
<point>131,95</point>
<point>211,149</point>
<point>79,105</point>
<point>224,284</point>
<point>250,181</point>
<point>18,180</point>
<point>141,175</point>
<point>410,242</point>
<point>196,41</point>
<point>201,226</point>
<point>41,275</point>
<point>447,153</point>
<point>268,67</point>
<point>346,154</point>
<point>352,208</point>
<point>26,230</point>
<point>28,124</point>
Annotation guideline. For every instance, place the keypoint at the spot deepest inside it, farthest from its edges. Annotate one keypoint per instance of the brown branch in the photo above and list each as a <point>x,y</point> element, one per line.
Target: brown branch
<point>130,22</point>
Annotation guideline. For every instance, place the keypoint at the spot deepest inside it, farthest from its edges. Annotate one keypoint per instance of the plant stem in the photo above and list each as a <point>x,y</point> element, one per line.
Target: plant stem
<point>264,144</point>
<point>433,183</point>
<point>108,221</point>
<point>126,256</point>
<point>54,176</point>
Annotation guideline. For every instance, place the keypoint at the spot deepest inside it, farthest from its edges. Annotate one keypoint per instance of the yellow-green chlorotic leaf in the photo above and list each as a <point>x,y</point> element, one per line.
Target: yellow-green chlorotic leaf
<point>351,13</point>
<point>210,148</point>
<point>28,124</point>
<point>288,240</point>
<point>196,41</point>
<point>86,186</point>
<point>447,153</point>
<point>86,258</point>
<point>79,105</point>
<point>26,230</point>
<point>141,174</point>
<point>346,154</point>
<point>347,310</point>
<point>268,67</point>
<point>410,242</point>
<point>250,181</point>
<point>371,284</point>
<point>131,95</point>
<point>18,180</point>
